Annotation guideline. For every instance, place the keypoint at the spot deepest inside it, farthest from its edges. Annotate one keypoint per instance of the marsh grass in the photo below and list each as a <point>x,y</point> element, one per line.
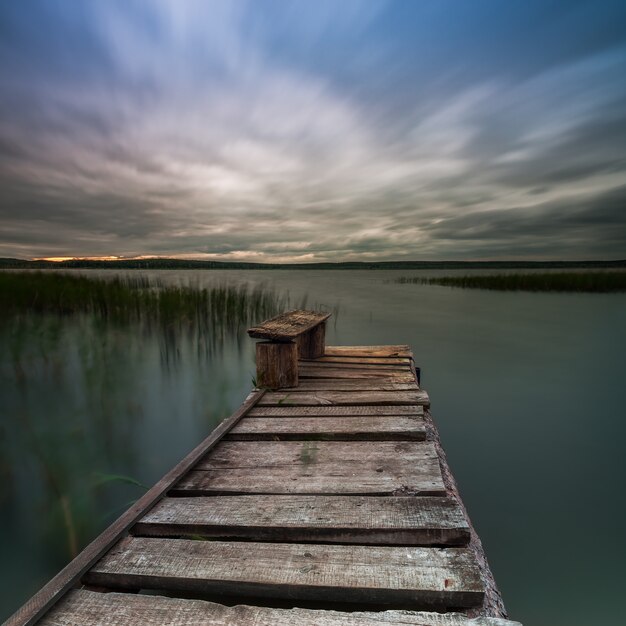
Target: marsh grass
<point>598,282</point>
<point>132,299</point>
<point>76,339</point>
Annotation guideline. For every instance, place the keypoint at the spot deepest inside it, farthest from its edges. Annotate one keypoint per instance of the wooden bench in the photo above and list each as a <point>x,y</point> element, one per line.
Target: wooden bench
<point>288,337</point>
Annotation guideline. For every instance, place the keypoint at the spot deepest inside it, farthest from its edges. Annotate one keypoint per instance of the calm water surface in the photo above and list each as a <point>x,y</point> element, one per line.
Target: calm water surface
<point>526,389</point>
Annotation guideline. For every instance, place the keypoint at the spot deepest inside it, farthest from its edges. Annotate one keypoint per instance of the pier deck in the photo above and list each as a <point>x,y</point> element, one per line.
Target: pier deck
<point>330,503</point>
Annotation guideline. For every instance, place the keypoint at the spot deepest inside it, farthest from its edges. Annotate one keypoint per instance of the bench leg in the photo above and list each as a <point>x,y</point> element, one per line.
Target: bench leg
<point>276,364</point>
<point>312,344</point>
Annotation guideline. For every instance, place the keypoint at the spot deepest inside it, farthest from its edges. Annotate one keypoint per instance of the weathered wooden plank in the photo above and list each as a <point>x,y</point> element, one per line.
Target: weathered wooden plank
<point>373,367</point>
<point>375,351</point>
<point>339,429</point>
<point>341,398</point>
<point>330,479</point>
<point>312,476</point>
<point>355,360</point>
<point>342,519</point>
<point>336,411</point>
<point>50,593</point>
<point>309,454</point>
<point>346,384</point>
<point>82,607</point>
<point>336,372</point>
<point>288,325</point>
<point>317,467</point>
<point>407,576</point>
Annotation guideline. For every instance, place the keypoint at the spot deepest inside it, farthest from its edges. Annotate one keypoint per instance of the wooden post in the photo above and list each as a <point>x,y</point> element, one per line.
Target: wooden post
<point>312,344</point>
<point>276,364</point>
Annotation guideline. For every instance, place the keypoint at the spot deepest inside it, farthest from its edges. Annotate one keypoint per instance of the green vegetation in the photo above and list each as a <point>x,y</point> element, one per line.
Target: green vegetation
<point>600,282</point>
<point>74,355</point>
<point>134,298</point>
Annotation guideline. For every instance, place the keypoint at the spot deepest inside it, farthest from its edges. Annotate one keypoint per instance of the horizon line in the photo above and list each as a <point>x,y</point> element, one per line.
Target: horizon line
<point>122,259</point>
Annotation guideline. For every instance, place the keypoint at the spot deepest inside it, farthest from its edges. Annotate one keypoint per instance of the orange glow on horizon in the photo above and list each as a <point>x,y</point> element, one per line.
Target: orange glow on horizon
<point>59,259</point>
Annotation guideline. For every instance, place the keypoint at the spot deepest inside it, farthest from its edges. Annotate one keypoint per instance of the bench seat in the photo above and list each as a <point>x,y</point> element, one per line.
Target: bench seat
<point>288,326</point>
<point>290,336</point>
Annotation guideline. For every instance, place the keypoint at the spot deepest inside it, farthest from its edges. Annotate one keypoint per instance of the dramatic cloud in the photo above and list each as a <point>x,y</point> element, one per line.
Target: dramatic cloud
<point>303,131</point>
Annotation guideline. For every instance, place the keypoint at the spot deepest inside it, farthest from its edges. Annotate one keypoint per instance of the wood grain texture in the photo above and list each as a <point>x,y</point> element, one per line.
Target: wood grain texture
<point>342,398</point>
<point>276,364</point>
<point>408,577</point>
<point>312,518</point>
<point>353,428</point>
<point>341,519</point>
<point>331,479</point>
<point>80,607</point>
<point>347,384</point>
<point>319,364</point>
<point>310,454</point>
<point>317,467</point>
<point>413,410</point>
<point>50,593</point>
<point>375,351</point>
<point>311,344</point>
<point>304,371</point>
<point>354,360</point>
<point>288,325</point>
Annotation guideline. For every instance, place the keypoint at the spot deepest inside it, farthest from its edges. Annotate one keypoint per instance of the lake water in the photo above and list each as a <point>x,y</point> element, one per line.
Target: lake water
<point>527,390</point>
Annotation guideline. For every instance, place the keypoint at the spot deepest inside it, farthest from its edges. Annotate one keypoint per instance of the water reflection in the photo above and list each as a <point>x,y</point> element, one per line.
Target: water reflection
<point>527,393</point>
<point>98,405</point>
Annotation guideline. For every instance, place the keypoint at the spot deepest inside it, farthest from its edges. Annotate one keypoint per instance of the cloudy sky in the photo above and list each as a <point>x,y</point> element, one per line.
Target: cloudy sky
<point>312,130</point>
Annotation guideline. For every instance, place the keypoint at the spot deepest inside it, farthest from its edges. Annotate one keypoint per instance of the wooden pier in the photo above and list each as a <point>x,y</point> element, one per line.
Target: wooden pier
<point>327,503</point>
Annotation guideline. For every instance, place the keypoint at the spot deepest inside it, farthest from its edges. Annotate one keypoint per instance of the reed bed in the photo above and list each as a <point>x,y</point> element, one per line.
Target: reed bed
<point>596,282</point>
<point>82,341</point>
<point>137,298</point>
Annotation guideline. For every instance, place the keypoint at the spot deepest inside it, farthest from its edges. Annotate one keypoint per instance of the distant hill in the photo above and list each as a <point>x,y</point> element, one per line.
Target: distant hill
<point>178,264</point>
